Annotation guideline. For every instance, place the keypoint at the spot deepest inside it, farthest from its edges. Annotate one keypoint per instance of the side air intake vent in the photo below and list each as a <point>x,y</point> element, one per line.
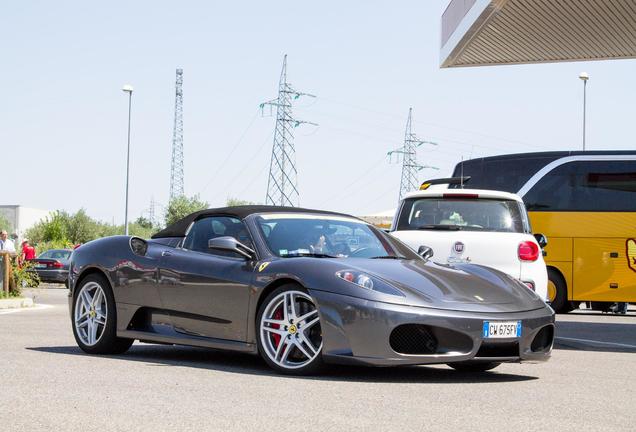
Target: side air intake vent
<point>413,339</point>
<point>543,340</point>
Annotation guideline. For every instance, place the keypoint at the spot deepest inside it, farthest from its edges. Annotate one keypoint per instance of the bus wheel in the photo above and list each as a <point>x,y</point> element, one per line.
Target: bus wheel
<point>558,292</point>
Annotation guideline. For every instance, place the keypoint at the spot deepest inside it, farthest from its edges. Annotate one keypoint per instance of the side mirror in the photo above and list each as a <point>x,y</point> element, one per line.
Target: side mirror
<point>541,239</point>
<point>425,252</point>
<point>227,243</point>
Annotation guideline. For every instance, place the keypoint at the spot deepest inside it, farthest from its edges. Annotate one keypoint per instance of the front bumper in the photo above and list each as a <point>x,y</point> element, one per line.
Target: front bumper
<point>358,331</point>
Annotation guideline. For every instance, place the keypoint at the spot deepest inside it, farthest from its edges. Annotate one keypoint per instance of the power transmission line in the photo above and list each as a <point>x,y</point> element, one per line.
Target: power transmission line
<point>408,152</point>
<point>436,125</point>
<point>176,167</point>
<point>229,155</point>
<point>282,185</point>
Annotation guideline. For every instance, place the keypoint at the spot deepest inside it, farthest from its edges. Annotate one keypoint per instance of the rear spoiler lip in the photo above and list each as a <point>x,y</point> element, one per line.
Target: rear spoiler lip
<point>447,180</point>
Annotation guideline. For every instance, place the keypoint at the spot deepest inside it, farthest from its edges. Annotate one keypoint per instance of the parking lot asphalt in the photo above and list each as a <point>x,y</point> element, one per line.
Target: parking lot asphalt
<point>47,383</point>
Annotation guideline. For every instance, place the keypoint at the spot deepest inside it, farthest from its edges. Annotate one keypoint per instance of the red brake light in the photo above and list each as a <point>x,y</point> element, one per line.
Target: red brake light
<point>458,195</point>
<point>528,251</point>
<point>57,264</point>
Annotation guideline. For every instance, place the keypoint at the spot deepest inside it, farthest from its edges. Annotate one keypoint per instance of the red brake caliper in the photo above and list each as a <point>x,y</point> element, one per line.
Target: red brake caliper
<point>277,315</point>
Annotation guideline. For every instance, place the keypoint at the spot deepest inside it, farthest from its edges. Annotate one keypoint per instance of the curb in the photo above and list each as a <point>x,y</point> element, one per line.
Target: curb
<point>15,303</point>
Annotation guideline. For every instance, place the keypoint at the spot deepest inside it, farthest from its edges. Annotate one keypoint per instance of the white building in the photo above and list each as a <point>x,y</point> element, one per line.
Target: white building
<point>22,218</point>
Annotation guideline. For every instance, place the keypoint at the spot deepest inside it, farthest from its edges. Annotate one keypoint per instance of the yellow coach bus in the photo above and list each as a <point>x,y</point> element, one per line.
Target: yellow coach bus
<point>585,204</point>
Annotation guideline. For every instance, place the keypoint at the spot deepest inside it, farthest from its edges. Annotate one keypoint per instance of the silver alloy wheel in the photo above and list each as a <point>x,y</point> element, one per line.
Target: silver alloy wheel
<point>91,313</point>
<point>290,330</point>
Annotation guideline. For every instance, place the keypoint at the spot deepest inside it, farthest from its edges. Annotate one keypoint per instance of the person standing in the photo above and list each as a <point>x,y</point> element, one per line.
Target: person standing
<point>619,308</point>
<point>6,244</point>
<point>28,251</point>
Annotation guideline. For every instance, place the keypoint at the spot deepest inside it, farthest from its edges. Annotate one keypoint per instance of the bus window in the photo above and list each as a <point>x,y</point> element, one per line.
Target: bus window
<point>507,175</point>
<point>595,186</point>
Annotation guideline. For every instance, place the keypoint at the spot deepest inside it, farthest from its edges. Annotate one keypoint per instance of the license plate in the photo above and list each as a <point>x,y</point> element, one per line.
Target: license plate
<point>40,266</point>
<point>501,329</point>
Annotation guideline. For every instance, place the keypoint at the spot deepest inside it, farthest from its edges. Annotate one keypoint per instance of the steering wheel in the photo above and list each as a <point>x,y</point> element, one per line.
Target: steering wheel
<point>341,249</point>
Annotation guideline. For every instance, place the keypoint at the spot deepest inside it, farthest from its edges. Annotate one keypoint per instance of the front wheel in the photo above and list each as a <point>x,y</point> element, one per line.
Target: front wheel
<point>288,331</point>
<point>95,318</point>
<point>474,366</point>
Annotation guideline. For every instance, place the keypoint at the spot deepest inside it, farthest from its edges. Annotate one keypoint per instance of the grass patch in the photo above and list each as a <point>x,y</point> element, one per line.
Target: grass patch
<point>4,295</point>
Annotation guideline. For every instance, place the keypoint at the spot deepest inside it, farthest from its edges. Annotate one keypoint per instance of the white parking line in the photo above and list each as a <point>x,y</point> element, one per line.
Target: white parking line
<point>616,344</point>
<point>34,307</point>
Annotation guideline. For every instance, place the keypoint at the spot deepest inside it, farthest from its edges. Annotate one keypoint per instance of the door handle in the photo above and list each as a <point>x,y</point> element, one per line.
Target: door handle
<point>166,253</point>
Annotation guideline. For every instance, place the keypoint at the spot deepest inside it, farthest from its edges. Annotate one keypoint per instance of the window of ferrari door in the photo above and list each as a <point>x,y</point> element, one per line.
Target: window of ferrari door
<point>208,228</point>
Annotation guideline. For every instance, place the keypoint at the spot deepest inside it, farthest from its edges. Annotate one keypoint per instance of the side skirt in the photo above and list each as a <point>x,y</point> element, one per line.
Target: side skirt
<point>188,340</point>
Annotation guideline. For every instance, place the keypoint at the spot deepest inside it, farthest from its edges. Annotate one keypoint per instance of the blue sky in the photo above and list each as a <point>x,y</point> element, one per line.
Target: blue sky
<point>63,114</point>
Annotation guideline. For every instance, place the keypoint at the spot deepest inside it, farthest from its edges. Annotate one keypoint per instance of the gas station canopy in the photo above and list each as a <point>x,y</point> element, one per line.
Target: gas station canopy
<point>496,32</point>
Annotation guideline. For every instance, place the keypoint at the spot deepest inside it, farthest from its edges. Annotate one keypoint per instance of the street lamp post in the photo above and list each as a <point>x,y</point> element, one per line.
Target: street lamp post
<point>583,76</point>
<point>127,89</point>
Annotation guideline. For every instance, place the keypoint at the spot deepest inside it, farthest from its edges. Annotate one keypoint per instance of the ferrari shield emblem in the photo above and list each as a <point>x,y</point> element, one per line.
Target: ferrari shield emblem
<point>263,266</point>
<point>631,253</point>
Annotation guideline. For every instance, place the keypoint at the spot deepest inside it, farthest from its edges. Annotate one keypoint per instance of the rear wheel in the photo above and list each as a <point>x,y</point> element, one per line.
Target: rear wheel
<point>95,318</point>
<point>474,366</point>
<point>288,331</point>
<point>558,292</point>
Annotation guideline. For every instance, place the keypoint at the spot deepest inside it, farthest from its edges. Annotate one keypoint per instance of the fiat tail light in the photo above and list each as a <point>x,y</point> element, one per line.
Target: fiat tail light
<point>528,251</point>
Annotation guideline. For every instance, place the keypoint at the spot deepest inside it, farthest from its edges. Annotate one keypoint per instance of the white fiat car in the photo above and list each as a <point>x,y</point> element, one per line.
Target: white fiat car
<point>476,226</point>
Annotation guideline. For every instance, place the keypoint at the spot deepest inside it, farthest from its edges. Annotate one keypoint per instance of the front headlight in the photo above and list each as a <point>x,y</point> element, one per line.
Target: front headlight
<point>369,282</point>
<point>357,278</point>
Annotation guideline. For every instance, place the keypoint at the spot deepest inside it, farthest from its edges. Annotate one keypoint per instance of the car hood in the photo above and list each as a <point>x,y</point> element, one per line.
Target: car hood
<point>461,287</point>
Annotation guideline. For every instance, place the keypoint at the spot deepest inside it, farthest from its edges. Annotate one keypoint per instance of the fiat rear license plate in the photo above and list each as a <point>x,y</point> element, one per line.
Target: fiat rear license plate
<point>501,329</point>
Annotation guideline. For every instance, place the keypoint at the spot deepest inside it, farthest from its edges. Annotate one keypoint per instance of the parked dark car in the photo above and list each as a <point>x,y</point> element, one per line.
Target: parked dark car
<point>300,288</point>
<point>52,265</point>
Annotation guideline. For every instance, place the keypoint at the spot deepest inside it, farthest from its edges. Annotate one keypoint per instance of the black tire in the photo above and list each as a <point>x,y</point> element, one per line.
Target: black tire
<point>108,342</point>
<point>312,368</point>
<point>560,304</point>
<point>473,366</point>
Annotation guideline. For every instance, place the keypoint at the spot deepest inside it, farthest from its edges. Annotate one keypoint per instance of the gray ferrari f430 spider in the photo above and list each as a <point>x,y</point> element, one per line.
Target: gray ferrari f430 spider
<point>301,288</point>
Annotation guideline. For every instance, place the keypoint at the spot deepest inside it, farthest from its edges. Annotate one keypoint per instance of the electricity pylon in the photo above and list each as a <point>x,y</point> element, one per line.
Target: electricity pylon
<point>410,166</point>
<point>282,185</point>
<point>151,211</point>
<point>176,167</point>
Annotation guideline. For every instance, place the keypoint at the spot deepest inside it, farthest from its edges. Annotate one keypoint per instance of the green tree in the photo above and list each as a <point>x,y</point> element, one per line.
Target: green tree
<point>63,230</point>
<point>231,202</point>
<point>182,206</point>
<point>144,222</point>
<point>54,227</point>
<point>5,224</point>
<point>51,232</point>
<point>81,228</point>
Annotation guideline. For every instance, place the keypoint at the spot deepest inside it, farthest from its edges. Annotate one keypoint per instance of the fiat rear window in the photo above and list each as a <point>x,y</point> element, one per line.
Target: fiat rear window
<point>463,214</point>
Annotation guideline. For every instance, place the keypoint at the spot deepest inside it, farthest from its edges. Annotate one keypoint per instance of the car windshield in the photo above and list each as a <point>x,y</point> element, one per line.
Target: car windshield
<point>294,235</point>
<point>56,254</point>
<point>462,214</point>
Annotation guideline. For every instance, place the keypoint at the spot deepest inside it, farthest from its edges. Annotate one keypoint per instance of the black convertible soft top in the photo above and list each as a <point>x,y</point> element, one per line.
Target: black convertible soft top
<point>178,229</point>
